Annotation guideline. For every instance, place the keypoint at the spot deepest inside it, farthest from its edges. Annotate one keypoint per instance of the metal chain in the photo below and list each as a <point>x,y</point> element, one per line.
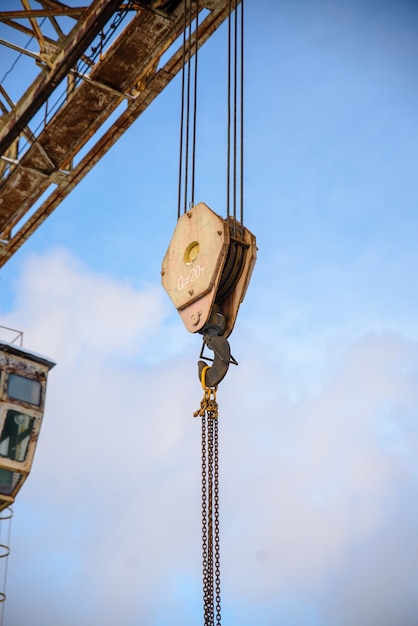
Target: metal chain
<point>216,517</point>
<point>204,522</point>
<point>210,509</point>
<point>210,521</point>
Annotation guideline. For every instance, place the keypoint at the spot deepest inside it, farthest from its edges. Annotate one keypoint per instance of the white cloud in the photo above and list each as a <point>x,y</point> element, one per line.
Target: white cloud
<point>107,527</point>
<point>67,308</point>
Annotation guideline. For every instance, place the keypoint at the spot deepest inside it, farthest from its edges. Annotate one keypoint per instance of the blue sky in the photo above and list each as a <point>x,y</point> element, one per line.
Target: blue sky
<point>319,423</point>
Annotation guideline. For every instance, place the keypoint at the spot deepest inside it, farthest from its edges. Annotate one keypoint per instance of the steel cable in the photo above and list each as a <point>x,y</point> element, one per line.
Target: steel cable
<point>188,110</point>
<point>235,118</point>
<point>186,165</point>
<point>242,120</point>
<point>195,100</point>
<point>182,118</point>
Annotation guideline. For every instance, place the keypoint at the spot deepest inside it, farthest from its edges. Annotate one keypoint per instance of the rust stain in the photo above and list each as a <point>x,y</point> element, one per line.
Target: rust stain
<point>129,67</point>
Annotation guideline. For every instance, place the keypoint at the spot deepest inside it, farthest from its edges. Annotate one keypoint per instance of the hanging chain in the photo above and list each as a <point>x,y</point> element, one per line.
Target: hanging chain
<point>210,506</point>
<point>206,599</point>
<point>209,572</point>
<point>216,524</point>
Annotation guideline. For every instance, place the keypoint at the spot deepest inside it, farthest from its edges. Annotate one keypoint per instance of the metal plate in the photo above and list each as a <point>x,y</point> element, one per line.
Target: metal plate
<point>195,257</point>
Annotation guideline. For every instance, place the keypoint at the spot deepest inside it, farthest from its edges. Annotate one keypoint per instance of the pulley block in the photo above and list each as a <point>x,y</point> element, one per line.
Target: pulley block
<point>207,269</point>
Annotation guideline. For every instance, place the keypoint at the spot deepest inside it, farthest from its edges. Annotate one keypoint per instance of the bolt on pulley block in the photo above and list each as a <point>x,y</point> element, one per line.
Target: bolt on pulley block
<point>207,269</point>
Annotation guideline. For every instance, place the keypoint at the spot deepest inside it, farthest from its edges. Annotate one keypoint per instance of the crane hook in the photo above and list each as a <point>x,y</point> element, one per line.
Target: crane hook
<point>222,356</point>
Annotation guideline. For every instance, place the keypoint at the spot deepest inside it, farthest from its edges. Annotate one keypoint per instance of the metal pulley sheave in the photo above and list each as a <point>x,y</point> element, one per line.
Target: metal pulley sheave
<point>206,272</point>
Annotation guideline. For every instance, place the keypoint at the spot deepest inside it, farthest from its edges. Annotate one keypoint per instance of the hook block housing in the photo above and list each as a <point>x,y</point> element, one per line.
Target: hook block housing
<point>202,267</point>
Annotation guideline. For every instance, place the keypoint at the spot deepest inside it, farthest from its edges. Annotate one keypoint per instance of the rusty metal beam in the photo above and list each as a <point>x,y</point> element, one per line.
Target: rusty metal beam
<point>129,66</point>
<point>22,29</point>
<point>77,41</point>
<point>12,46</point>
<point>35,26</point>
<point>75,12</point>
<point>52,4</point>
<point>56,10</point>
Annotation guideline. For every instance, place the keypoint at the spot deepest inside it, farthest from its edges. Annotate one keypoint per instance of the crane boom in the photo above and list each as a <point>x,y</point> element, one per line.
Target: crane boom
<point>39,168</point>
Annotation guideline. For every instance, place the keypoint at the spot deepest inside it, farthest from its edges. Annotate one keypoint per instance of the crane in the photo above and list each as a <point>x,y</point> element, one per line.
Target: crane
<point>97,68</point>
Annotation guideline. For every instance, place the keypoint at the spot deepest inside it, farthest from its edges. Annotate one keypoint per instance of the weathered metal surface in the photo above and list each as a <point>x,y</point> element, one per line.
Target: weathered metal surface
<point>212,375</point>
<point>209,262</point>
<point>97,14</point>
<point>33,13</point>
<point>230,304</point>
<point>192,266</point>
<point>26,358</point>
<point>28,365</point>
<point>128,67</point>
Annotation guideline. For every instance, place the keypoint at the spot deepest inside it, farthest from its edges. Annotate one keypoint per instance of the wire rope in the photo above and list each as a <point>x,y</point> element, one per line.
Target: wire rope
<point>235,117</point>
<point>19,56</point>
<point>234,169</point>
<point>188,110</point>
<point>186,164</point>
<point>228,141</point>
<point>242,120</point>
<point>182,117</point>
<point>195,101</point>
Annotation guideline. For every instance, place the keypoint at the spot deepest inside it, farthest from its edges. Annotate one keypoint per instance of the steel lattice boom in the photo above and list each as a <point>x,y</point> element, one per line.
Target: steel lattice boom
<point>83,64</point>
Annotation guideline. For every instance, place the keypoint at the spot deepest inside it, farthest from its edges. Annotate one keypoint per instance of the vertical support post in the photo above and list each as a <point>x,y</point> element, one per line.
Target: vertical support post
<point>5,529</point>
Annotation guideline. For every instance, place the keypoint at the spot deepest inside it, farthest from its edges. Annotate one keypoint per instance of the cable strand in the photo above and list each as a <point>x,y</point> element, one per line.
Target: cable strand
<point>195,101</point>
<point>186,167</point>
<point>228,149</point>
<point>181,120</point>
<point>242,122</point>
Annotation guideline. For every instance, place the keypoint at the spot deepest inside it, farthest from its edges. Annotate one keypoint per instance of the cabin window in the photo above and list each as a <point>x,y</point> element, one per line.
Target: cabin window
<point>8,481</point>
<point>15,436</point>
<point>24,389</point>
